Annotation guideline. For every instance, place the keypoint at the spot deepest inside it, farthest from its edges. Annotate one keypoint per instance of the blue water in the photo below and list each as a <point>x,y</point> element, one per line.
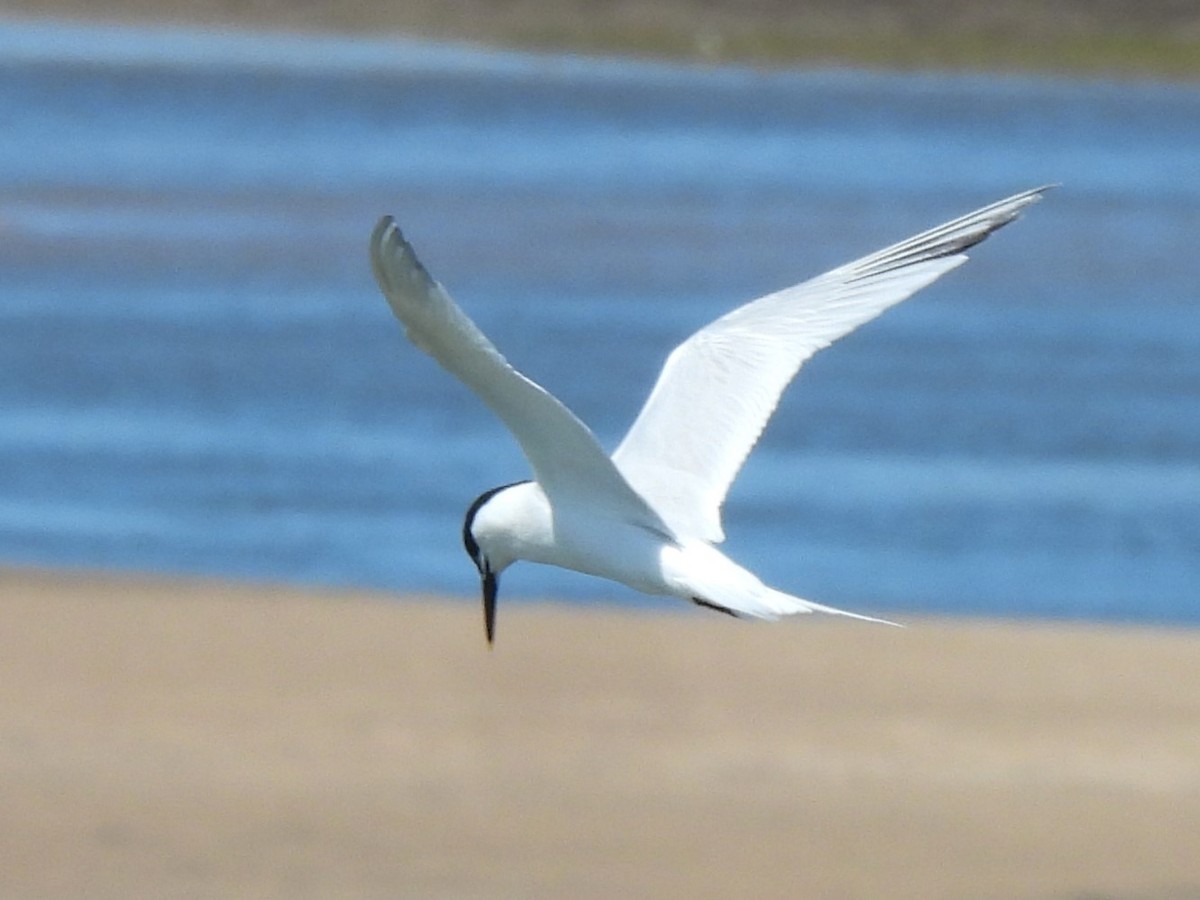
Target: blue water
<point>197,374</point>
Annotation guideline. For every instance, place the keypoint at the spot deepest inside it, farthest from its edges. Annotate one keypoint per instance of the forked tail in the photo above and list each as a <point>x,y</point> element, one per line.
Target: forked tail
<point>699,572</point>
<point>787,605</point>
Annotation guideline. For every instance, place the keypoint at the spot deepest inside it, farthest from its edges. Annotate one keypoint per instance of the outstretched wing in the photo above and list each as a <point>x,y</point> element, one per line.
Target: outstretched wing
<point>719,387</point>
<point>567,460</point>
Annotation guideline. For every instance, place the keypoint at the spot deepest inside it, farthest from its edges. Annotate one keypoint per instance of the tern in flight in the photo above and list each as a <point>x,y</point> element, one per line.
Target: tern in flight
<point>649,515</point>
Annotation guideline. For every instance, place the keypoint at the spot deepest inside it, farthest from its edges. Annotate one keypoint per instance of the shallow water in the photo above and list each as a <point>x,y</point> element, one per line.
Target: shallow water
<point>199,376</point>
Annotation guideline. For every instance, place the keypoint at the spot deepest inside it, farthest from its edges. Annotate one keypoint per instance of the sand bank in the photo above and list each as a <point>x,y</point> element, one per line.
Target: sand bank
<point>162,739</point>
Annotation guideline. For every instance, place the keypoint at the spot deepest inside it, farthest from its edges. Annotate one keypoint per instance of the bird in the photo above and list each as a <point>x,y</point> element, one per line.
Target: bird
<point>649,515</point>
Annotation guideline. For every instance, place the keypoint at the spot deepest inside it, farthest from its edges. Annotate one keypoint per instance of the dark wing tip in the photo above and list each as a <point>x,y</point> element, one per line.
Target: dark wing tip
<point>380,232</point>
<point>951,239</point>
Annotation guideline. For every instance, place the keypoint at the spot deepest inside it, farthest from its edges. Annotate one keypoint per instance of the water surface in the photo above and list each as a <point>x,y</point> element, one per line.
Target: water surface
<point>199,376</point>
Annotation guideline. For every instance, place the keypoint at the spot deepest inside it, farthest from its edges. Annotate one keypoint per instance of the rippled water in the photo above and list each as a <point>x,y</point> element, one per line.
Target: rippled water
<point>197,374</point>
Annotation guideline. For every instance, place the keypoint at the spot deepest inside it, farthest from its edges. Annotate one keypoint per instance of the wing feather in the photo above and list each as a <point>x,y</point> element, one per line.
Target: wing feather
<point>719,388</point>
<point>566,458</point>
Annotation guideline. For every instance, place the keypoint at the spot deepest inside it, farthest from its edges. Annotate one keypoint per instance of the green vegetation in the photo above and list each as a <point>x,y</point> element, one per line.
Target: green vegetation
<point>1099,38</point>
<point>1123,55</point>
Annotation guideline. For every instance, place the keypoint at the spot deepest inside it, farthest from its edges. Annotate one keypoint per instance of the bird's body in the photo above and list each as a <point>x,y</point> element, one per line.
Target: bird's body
<point>519,523</point>
<point>648,516</point>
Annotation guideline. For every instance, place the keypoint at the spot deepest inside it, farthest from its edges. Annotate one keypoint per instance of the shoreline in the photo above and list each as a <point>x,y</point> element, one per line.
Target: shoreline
<point>1147,42</point>
<point>162,737</point>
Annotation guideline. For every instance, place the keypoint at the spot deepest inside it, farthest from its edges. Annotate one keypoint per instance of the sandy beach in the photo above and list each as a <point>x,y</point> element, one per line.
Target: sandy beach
<point>198,739</point>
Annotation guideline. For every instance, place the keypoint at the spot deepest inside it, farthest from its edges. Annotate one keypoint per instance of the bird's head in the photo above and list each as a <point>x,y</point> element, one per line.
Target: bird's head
<point>483,535</point>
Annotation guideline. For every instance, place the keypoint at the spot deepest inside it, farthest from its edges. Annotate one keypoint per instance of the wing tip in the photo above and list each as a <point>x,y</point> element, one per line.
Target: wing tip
<point>1004,212</point>
<point>394,261</point>
<point>1018,202</point>
<point>948,241</point>
<point>383,238</point>
<point>385,232</point>
<point>1010,208</point>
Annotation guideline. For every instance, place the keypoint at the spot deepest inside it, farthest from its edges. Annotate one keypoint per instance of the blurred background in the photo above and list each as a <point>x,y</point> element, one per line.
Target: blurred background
<point>200,381</point>
<point>198,376</point>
